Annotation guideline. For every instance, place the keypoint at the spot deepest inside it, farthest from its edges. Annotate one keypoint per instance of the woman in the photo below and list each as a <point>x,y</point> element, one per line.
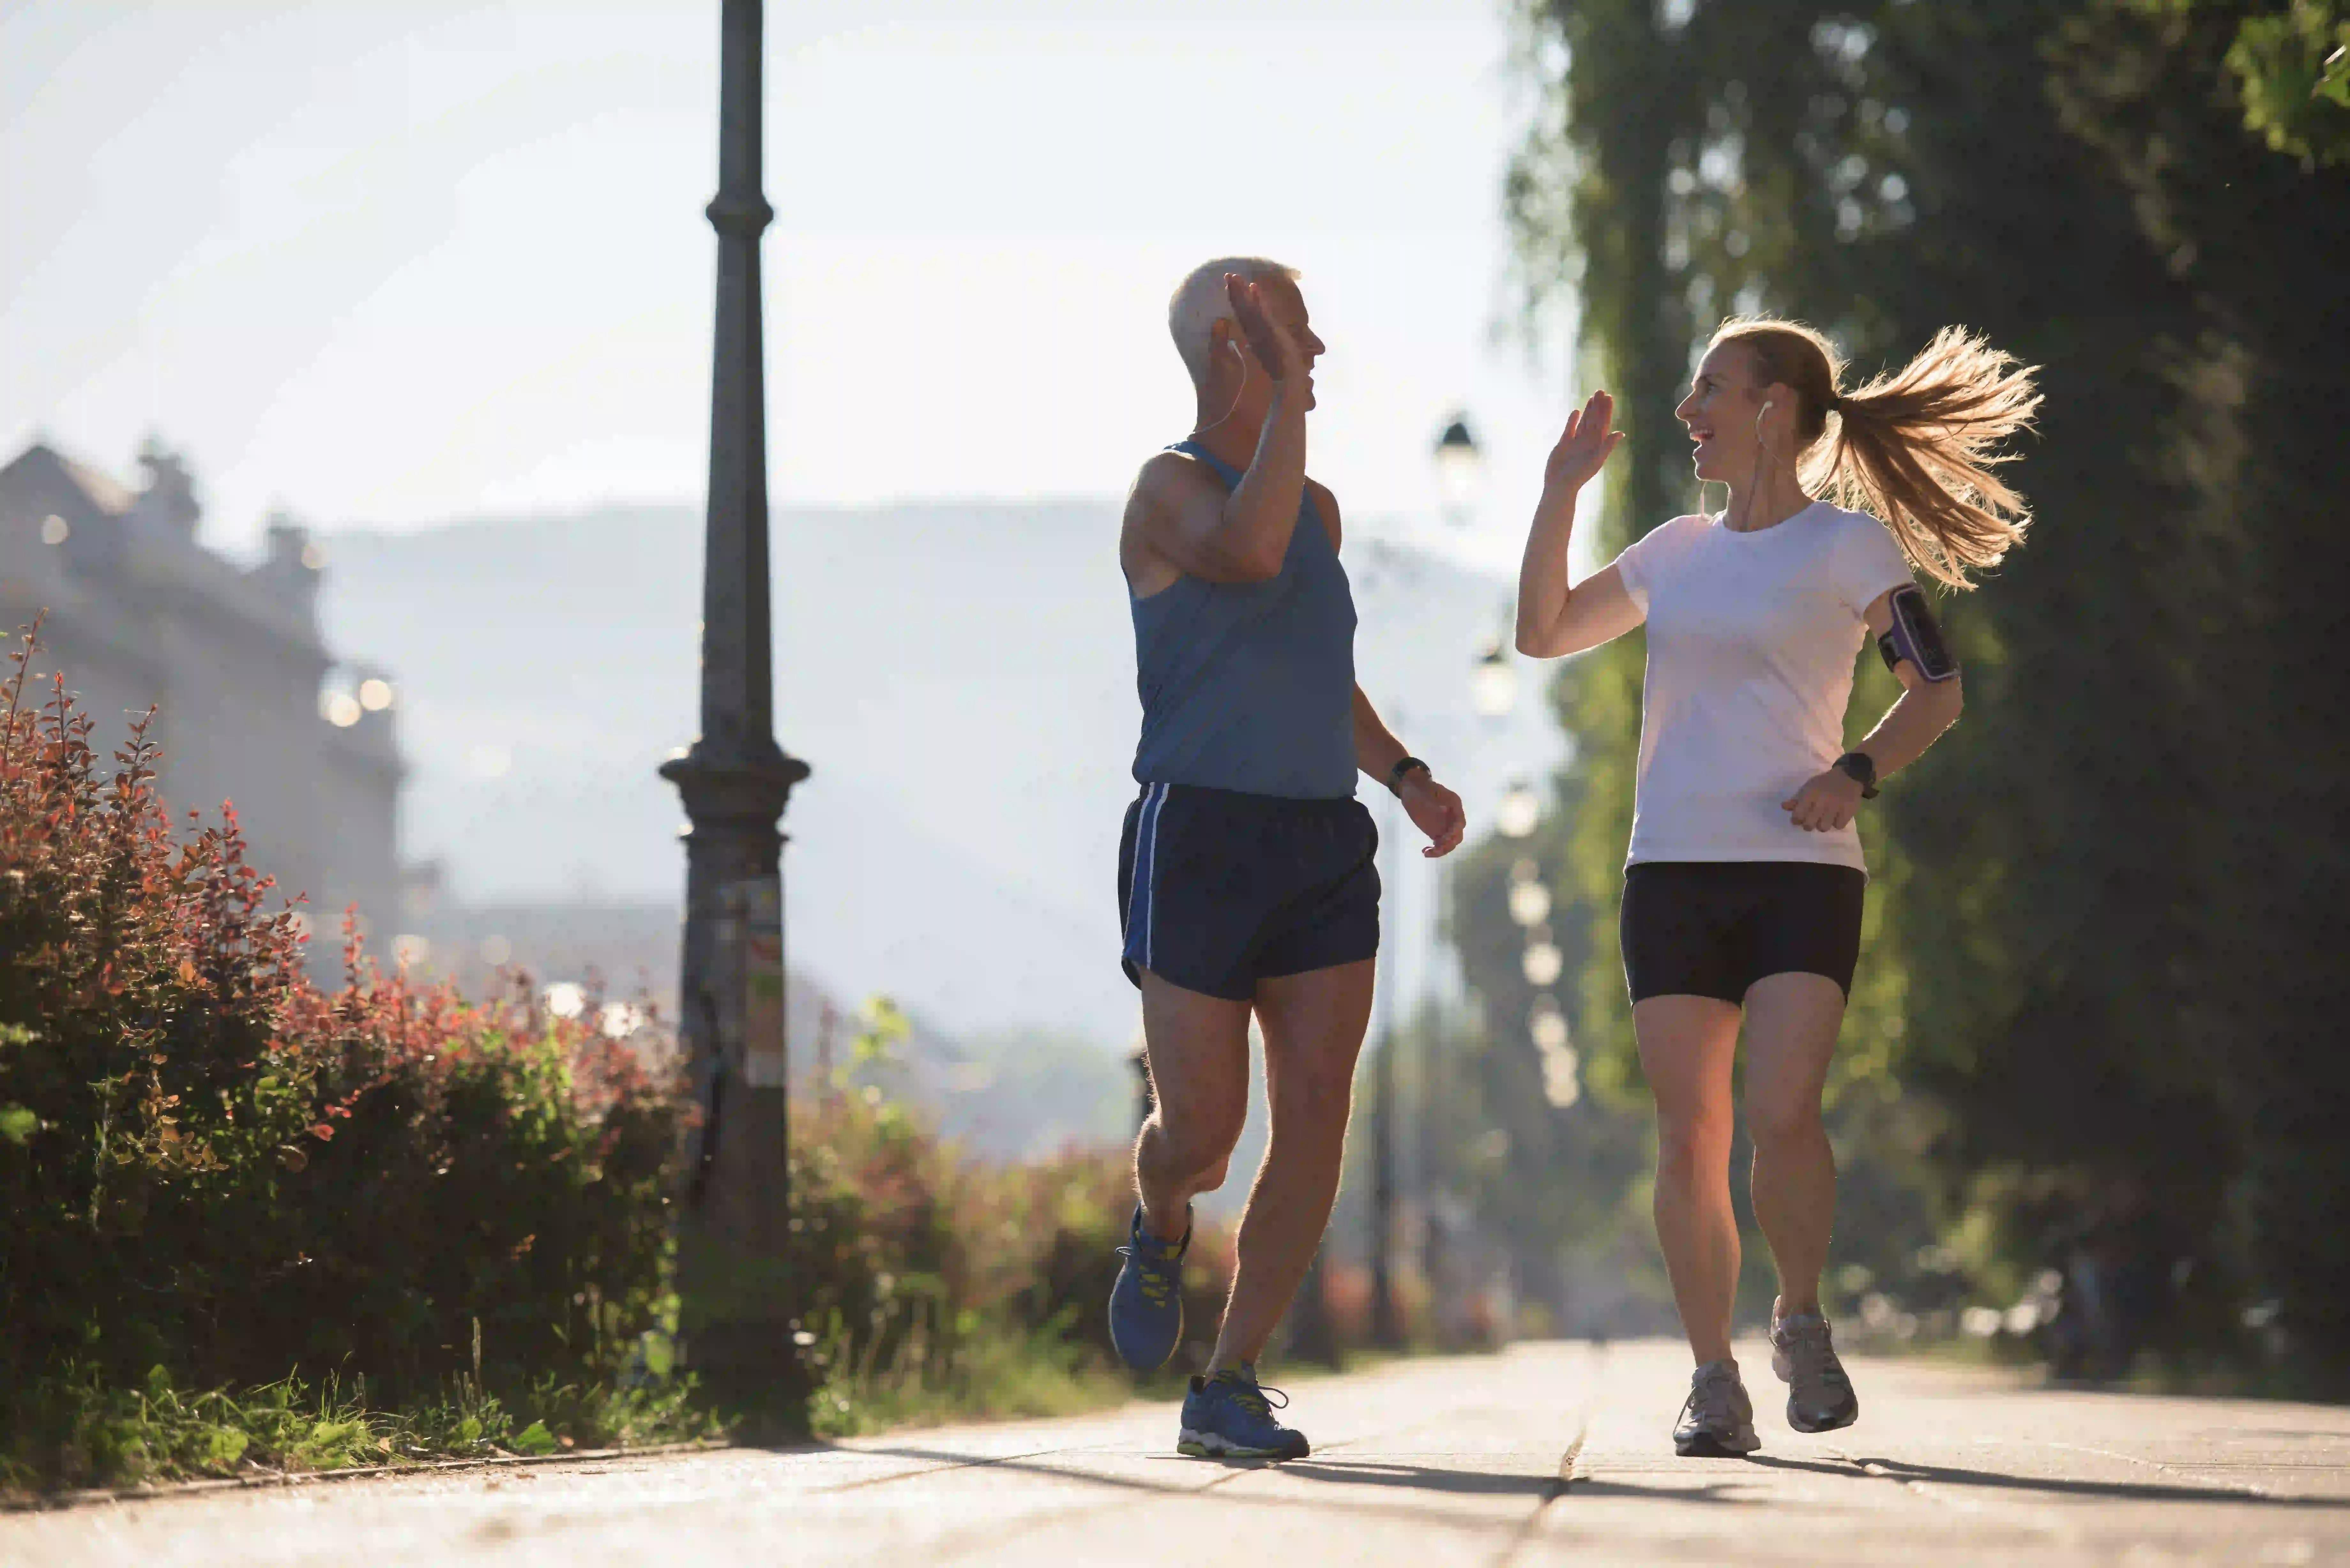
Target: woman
<point>1742,889</point>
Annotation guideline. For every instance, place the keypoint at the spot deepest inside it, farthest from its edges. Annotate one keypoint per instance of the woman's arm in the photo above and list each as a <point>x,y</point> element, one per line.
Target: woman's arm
<point>1909,728</point>
<point>1555,618</point>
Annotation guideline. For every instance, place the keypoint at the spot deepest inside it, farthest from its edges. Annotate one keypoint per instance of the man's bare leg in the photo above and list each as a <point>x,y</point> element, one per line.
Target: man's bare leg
<point>1791,1034</point>
<point>1687,1044</point>
<point>1314,1025</point>
<point>1198,1050</point>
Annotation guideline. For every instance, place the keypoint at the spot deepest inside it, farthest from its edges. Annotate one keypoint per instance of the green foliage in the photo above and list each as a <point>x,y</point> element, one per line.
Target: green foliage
<point>214,1168</point>
<point>1553,1182</point>
<point>930,1286</point>
<point>2293,68</point>
<point>2099,962</point>
<point>76,1428</point>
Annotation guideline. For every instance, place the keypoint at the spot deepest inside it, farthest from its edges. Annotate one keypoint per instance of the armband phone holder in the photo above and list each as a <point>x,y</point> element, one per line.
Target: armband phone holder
<point>1914,635</point>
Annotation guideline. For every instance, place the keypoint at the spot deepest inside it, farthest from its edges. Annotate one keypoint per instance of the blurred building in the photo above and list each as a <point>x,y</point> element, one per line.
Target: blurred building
<point>252,707</point>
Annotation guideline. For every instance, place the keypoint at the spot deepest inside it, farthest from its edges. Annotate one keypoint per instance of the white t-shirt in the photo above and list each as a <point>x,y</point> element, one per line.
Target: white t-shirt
<point>1752,639</point>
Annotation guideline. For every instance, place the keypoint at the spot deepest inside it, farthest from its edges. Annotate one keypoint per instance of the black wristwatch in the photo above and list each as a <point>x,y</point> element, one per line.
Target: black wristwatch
<point>1861,768</point>
<point>1404,765</point>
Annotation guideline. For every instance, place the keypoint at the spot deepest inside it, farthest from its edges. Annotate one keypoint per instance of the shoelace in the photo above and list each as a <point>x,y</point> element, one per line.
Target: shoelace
<point>1709,1399</point>
<point>1251,1396</point>
<point>1155,1277</point>
<point>1813,1336</point>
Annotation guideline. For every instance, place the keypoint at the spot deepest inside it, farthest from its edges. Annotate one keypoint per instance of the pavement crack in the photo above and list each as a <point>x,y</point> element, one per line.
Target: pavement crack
<point>2249,1489</point>
<point>1570,1464</point>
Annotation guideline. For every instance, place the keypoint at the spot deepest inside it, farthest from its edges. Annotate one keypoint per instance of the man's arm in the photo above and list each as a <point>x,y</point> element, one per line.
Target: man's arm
<point>1434,809</point>
<point>1243,536</point>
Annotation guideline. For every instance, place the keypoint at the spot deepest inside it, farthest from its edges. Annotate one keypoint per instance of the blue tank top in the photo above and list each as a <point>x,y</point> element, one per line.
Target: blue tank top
<point>1250,686</point>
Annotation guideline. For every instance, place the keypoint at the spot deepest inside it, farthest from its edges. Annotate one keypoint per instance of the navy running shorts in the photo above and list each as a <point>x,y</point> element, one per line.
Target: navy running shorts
<point>1218,890</point>
<point>1712,927</point>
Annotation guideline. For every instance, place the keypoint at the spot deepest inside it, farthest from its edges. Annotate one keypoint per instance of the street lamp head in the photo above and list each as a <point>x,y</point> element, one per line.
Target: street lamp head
<point>1460,467</point>
<point>1493,683</point>
<point>1519,812</point>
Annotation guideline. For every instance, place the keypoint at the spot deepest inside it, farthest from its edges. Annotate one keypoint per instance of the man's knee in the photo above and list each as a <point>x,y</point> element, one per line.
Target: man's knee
<point>1196,1146</point>
<point>1318,1093</point>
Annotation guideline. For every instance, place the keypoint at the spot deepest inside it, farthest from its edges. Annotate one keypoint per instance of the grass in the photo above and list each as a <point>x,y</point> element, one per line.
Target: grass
<point>1003,1375</point>
<point>76,1430</point>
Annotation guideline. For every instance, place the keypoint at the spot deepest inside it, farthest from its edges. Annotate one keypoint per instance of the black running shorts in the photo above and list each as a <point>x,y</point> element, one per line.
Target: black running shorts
<point>1218,890</point>
<point>1712,927</point>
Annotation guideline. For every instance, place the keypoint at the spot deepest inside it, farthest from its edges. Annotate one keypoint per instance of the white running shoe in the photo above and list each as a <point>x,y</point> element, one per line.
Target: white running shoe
<point>1819,1394</point>
<point>1718,1419</point>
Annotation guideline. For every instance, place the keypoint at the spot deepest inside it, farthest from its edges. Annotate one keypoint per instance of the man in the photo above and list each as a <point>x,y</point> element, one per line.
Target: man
<point>1246,876</point>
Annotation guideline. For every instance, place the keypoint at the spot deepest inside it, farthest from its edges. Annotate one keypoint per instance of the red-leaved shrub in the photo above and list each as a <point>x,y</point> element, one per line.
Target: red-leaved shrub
<point>209,1164</point>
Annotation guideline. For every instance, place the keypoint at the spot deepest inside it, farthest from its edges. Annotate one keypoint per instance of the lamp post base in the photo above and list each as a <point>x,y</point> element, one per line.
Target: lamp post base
<point>735,1227</point>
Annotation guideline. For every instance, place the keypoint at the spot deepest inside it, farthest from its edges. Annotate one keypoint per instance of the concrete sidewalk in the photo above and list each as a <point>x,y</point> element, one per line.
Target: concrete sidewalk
<point>1549,1453</point>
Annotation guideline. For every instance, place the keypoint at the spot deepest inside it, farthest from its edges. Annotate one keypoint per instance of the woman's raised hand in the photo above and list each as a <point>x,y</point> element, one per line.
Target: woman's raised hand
<point>1584,447</point>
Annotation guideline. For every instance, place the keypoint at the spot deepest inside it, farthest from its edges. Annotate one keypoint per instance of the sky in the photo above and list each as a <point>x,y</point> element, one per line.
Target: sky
<point>389,262</point>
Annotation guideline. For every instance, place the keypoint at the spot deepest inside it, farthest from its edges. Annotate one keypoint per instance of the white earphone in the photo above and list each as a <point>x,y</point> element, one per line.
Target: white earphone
<point>1232,342</point>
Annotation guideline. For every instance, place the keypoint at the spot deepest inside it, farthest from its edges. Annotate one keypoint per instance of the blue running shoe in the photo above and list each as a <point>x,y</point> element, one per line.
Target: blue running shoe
<point>1229,1416</point>
<point>1146,1305</point>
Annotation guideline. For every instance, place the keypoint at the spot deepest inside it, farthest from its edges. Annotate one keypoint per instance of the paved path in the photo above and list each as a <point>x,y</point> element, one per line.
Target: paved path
<point>1547,1454</point>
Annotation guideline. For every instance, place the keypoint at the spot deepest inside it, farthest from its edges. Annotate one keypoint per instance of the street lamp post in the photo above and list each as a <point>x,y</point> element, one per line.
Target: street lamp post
<point>735,781</point>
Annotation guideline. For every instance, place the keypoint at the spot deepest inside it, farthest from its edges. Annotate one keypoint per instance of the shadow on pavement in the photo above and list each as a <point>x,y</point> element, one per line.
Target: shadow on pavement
<point>1539,1489</point>
<point>2118,1492</point>
<point>1426,1478</point>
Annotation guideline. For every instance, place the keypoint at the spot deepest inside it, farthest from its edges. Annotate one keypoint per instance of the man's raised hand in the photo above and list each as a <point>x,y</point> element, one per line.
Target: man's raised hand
<point>1584,446</point>
<point>1276,351</point>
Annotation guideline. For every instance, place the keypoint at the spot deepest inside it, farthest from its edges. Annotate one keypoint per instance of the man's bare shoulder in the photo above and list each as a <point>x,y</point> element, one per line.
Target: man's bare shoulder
<point>1325,507</point>
<point>1168,488</point>
<point>1174,473</point>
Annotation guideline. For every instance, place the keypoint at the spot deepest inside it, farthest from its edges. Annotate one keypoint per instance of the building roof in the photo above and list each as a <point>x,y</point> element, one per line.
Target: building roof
<point>140,547</point>
<point>42,481</point>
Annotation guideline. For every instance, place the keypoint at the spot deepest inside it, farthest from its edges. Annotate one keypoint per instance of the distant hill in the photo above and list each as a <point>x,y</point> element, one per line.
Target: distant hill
<point>962,679</point>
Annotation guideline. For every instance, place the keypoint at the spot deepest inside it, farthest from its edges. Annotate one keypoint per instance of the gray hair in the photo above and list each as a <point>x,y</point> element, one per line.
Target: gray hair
<point>1200,301</point>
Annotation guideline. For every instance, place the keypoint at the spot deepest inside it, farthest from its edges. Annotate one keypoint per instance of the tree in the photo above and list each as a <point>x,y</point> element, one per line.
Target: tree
<point>2293,69</point>
<point>2092,941</point>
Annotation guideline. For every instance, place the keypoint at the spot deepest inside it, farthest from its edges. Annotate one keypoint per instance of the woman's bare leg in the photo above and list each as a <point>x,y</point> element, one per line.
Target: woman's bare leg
<point>1791,1034</point>
<point>1687,1044</point>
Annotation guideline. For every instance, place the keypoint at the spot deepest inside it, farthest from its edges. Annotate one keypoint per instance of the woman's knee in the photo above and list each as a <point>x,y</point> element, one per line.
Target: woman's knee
<point>1777,1121</point>
<point>1692,1144</point>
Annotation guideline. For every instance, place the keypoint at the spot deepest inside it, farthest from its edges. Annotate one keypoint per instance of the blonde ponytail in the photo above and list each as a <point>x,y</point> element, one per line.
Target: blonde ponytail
<point>1918,447</point>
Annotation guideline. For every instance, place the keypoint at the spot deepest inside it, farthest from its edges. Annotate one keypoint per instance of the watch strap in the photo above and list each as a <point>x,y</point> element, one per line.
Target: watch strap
<point>1861,768</point>
<point>1404,765</point>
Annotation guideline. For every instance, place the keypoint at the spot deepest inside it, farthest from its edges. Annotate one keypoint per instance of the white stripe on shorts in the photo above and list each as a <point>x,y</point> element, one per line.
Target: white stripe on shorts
<point>1144,895</point>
